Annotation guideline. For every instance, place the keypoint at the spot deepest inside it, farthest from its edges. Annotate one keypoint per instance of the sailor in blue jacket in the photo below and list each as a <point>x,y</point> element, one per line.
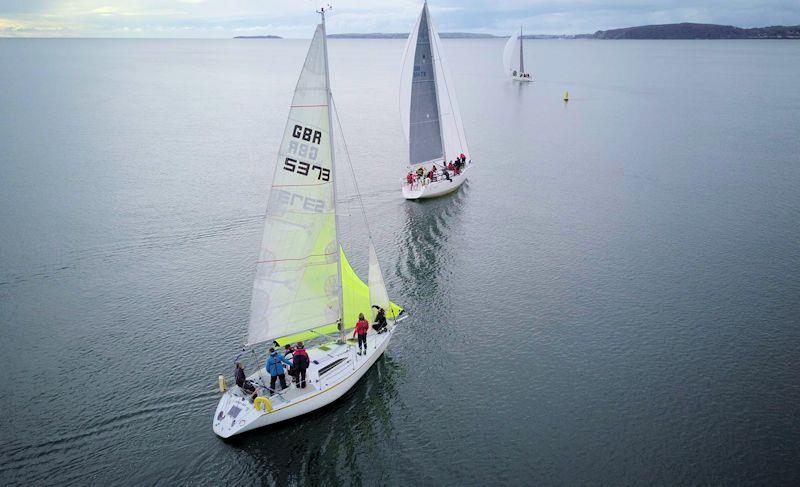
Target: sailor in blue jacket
<point>275,368</point>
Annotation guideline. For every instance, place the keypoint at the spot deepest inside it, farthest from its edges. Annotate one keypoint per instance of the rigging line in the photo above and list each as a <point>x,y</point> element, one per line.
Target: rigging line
<point>352,171</point>
<point>452,108</point>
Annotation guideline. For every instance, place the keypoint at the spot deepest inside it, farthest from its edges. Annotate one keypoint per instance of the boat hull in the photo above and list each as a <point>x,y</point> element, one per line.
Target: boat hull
<point>322,389</point>
<point>418,191</point>
<point>521,79</point>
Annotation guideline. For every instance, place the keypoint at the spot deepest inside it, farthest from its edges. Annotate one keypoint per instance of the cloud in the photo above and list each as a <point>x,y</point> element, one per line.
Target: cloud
<point>296,18</point>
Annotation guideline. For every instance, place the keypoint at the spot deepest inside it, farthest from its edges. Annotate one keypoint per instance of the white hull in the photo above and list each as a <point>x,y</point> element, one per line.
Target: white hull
<point>442,187</point>
<point>520,78</point>
<point>320,390</point>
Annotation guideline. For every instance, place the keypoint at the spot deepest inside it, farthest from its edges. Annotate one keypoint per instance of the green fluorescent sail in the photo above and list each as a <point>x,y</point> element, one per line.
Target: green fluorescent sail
<point>355,296</point>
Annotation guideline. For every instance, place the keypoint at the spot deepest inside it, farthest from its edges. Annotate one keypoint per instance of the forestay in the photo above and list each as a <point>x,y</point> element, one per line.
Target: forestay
<point>377,288</point>
<point>429,110</point>
<point>297,282</point>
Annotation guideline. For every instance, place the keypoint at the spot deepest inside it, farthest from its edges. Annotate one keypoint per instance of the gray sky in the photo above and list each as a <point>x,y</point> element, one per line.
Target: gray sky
<point>295,18</point>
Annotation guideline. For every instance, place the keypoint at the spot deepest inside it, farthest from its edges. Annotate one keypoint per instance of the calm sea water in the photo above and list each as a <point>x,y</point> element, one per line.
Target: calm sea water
<point>614,298</point>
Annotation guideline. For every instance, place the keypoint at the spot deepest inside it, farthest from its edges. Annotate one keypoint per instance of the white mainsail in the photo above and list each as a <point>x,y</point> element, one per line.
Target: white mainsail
<point>297,285</point>
<point>512,54</point>
<point>429,110</point>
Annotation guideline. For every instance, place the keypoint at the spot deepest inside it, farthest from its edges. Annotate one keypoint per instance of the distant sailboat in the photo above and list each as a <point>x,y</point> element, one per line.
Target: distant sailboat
<point>514,58</point>
<point>304,287</point>
<point>430,115</point>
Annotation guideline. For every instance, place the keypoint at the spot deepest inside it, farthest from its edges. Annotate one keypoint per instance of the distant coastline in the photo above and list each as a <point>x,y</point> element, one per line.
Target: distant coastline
<point>258,37</point>
<point>699,31</point>
<point>683,30</point>
<point>402,35</point>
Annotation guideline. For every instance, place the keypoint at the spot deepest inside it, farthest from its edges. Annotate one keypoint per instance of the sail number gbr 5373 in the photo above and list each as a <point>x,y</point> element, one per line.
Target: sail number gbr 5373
<point>305,147</point>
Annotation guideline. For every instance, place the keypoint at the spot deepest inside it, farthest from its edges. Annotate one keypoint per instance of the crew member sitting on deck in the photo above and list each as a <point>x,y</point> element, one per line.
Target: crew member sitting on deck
<point>275,368</point>
<point>241,381</point>
<point>420,173</point>
<point>362,327</point>
<point>410,178</point>
<point>380,320</point>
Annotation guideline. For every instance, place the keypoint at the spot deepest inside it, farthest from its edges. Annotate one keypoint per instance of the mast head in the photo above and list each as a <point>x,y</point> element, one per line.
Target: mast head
<point>324,9</point>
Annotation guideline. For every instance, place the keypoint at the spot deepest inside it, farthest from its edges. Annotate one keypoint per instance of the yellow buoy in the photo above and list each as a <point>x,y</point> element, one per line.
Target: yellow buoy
<point>566,96</point>
<point>222,385</point>
<point>261,400</point>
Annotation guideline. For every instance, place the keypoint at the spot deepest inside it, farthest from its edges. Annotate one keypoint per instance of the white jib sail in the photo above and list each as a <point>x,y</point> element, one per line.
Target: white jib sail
<point>377,287</point>
<point>511,54</point>
<point>297,283</point>
<point>453,139</point>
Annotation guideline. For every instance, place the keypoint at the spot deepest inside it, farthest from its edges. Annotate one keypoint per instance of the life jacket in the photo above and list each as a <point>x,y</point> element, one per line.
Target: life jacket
<point>362,327</point>
<point>300,358</point>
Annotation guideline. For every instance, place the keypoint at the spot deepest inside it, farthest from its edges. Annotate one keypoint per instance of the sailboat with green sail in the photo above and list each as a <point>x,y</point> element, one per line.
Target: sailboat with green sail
<point>305,288</point>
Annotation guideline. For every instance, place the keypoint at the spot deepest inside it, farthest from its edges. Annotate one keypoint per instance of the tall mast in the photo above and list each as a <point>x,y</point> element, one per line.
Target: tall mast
<point>321,11</point>
<point>521,60</point>
<point>435,58</point>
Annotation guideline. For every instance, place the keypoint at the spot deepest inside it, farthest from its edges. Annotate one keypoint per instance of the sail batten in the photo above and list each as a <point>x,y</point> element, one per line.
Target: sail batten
<point>297,285</point>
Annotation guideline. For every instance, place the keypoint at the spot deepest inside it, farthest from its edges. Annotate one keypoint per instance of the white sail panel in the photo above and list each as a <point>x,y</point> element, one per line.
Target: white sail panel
<point>406,75</point>
<point>453,138</point>
<point>511,54</point>
<point>297,282</point>
<point>424,132</point>
<point>378,296</point>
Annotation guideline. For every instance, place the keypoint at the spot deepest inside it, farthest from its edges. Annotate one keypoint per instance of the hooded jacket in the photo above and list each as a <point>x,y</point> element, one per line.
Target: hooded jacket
<point>275,364</point>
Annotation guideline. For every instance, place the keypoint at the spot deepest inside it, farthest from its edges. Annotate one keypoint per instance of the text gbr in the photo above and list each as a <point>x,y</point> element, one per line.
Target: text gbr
<point>300,148</point>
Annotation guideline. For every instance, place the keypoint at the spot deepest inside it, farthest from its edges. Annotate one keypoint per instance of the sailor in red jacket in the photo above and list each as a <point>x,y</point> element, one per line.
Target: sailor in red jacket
<point>362,327</point>
<point>300,362</point>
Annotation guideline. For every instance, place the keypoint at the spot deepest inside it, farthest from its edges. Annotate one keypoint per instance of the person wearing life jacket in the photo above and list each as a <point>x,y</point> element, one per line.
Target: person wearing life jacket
<point>410,178</point>
<point>301,362</point>
<point>362,327</point>
<point>241,380</point>
<point>380,320</point>
<point>463,157</point>
<point>274,366</point>
<point>450,166</point>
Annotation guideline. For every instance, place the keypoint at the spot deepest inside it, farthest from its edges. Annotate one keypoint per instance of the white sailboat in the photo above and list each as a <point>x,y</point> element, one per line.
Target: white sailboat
<point>430,115</point>
<point>305,289</point>
<point>514,58</point>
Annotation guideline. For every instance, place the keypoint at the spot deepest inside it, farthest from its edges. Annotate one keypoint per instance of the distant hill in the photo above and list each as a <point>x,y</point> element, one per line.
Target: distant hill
<point>374,35</point>
<point>663,31</point>
<point>699,31</point>
<point>258,37</point>
<point>400,35</point>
